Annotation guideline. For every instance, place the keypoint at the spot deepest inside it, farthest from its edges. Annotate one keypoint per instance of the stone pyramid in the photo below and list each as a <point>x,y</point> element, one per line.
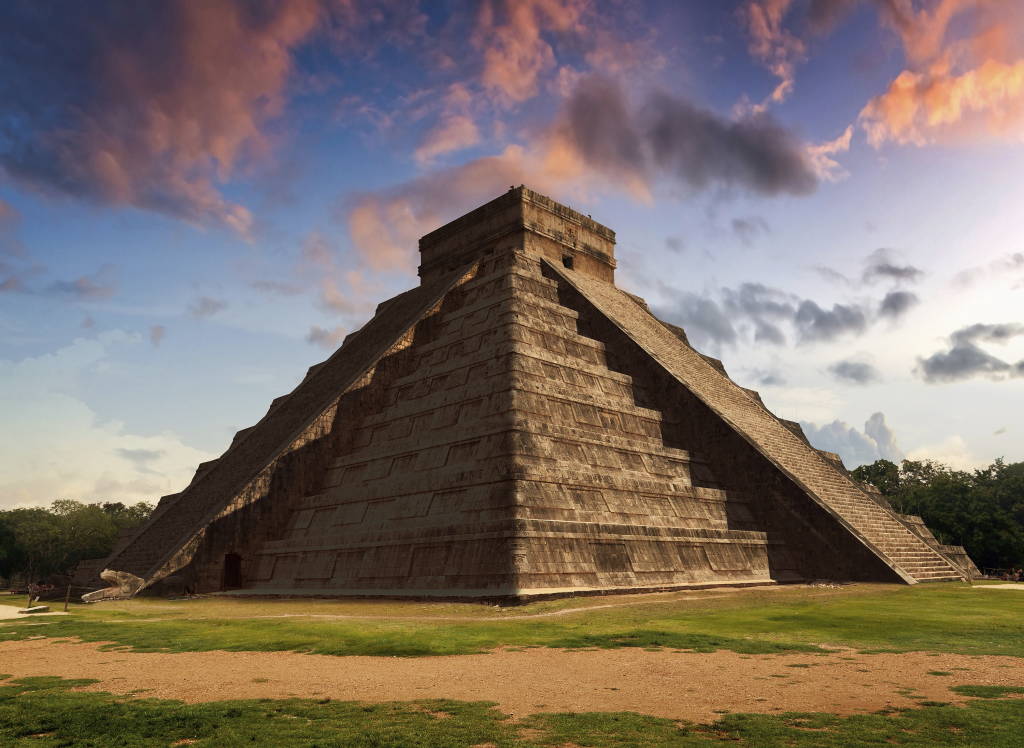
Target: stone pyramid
<point>517,426</point>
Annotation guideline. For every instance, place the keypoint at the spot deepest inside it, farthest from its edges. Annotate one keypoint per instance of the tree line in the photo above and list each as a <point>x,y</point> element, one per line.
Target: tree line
<point>37,543</point>
<point>982,510</point>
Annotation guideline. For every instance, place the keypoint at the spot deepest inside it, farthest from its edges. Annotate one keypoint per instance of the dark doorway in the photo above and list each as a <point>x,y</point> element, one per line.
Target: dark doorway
<point>232,571</point>
<point>567,261</point>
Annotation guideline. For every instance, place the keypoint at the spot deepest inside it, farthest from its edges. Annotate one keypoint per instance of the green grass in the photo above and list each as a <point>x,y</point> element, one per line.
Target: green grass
<point>988,692</point>
<point>890,618</point>
<point>44,712</point>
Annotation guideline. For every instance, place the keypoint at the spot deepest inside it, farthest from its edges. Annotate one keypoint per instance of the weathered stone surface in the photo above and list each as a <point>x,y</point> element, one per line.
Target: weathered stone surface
<point>517,426</point>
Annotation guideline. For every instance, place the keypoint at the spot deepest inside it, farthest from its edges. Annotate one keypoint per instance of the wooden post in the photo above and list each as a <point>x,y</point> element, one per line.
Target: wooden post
<point>67,597</point>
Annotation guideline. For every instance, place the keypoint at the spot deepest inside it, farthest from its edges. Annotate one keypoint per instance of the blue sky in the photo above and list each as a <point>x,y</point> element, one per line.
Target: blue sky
<point>198,200</point>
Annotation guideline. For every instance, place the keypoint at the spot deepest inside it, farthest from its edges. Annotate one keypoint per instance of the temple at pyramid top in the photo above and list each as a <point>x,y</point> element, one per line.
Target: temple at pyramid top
<point>517,426</point>
<point>526,219</point>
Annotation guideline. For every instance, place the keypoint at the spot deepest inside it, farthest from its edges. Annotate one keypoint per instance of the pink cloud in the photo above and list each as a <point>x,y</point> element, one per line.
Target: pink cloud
<point>772,44</point>
<point>157,106</point>
<point>510,34</point>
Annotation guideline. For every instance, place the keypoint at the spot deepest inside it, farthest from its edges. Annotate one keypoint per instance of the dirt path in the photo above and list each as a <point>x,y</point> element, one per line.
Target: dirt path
<point>666,684</point>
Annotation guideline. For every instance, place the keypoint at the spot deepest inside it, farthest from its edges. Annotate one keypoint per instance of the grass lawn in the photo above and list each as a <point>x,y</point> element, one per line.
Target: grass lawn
<point>941,617</point>
<point>44,712</point>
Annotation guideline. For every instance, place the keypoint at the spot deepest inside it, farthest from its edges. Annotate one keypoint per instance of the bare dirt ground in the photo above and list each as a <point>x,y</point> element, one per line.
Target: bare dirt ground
<point>675,685</point>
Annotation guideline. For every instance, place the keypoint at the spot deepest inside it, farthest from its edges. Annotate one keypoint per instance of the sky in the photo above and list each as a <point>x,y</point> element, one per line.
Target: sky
<point>199,200</point>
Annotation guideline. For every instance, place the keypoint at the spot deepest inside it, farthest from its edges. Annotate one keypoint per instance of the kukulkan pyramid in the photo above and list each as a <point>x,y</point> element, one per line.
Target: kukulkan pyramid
<point>518,426</point>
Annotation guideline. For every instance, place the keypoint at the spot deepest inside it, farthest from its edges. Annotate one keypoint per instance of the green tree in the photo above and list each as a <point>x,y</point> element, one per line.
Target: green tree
<point>37,542</point>
<point>981,510</point>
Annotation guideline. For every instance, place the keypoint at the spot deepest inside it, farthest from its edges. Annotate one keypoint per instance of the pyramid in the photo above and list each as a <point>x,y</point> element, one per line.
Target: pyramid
<point>517,426</point>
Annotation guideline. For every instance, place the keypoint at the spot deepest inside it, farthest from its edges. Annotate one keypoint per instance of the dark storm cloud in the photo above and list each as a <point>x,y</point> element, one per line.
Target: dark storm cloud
<point>880,267</point>
<point>703,319</point>
<point>763,312</point>
<point>896,304</point>
<point>764,307</point>
<point>816,324</point>
<point>965,358</point>
<point>674,137</point>
<point>855,372</point>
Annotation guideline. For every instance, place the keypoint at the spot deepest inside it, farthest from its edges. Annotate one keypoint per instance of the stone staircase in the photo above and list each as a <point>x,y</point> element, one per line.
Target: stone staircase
<point>896,541</point>
<point>876,526</point>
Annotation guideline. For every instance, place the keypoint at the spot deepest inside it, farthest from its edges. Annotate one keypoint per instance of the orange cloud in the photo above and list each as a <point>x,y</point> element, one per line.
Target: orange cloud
<point>919,108</point>
<point>965,88</point>
<point>510,33</point>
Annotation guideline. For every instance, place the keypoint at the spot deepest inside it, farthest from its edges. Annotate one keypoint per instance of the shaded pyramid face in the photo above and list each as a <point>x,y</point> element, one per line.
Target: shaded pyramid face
<point>517,426</point>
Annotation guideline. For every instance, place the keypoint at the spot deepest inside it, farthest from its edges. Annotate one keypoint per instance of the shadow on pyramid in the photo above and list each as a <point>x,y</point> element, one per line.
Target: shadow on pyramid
<point>515,427</point>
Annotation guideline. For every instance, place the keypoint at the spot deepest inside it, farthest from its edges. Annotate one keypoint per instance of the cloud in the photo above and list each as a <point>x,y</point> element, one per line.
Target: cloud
<point>100,285</point>
<point>8,214</point>
<point>598,141</point>
<point>340,292</point>
<point>747,229</point>
<point>771,43</point>
<point>952,451</point>
<point>814,323</point>
<point>281,288</point>
<point>152,107</point>
<point>675,244</point>
<point>965,359</point>
<point>764,314</point>
<point>206,306</point>
<point>12,284</point>
<point>1007,265</point>
<point>385,226</point>
<point>326,338</point>
<point>672,136</point>
<point>896,304</point>
<point>881,267</point>
<point>510,36</point>
<point>922,108</point>
<point>156,334</point>
<point>854,372</point>
<point>456,129</point>
<point>703,318</point>
<point>824,15</point>
<point>767,377</point>
<point>140,458</point>
<point>965,88</point>
<point>876,442</point>
<point>763,306</point>
<point>53,445</point>
<point>821,156</point>
<point>832,275</point>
